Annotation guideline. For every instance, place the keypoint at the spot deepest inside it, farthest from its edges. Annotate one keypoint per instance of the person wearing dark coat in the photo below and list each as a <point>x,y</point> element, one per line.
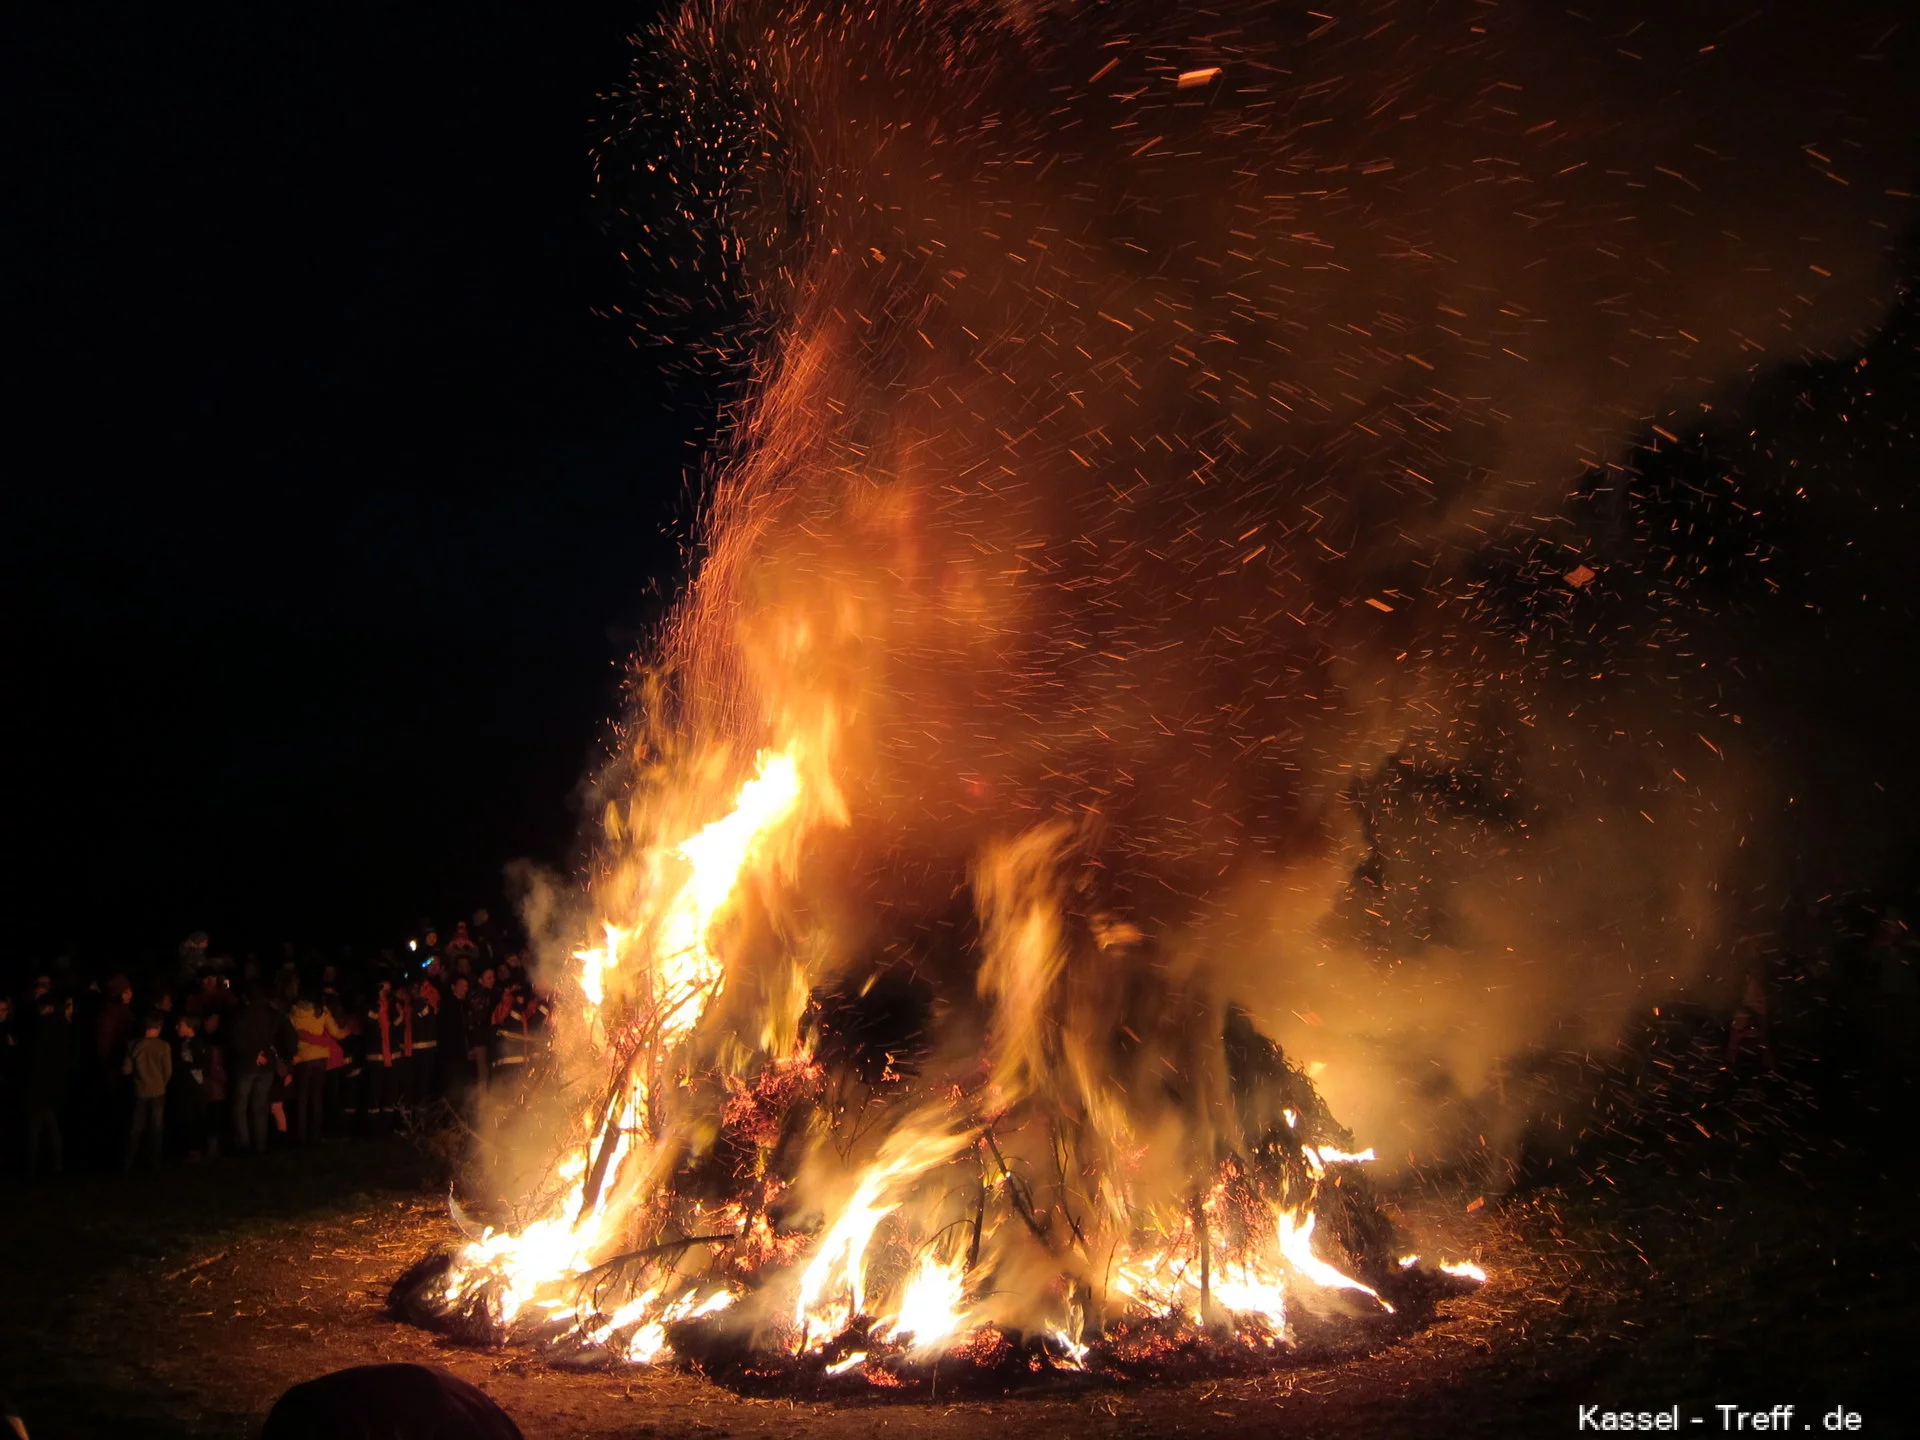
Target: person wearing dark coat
<point>259,1052</point>
<point>480,1003</point>
<point>353,1075</point>
<point>13,1098</point>
<point>114,1030</point>
<point>456,1064</point>
<point>519,1019</point>
<point>105,1102</point>
<point>187,1089</point>
<point>49,1065</point>
<point>334,1099</point>
<point>216,1086</point>
<point>425,1049</point>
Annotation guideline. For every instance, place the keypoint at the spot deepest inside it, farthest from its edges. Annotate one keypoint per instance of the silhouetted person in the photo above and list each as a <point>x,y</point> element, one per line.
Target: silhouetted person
<point>105,1098</point>
<point>192,955</point>
<point>486,936</point>
<point>480,1003</point>
<point>217,1088</point>
<point>1752,1027</point>
<point>333,1089</point>
<point>187,1090</point>
<point>1895,956</point>
<point>114,1030</point>
<point>255,1069</point>
<point>425,1031</point>
<point>13,1069</point>
<point>49,1064</point>
<point>456,1063</point>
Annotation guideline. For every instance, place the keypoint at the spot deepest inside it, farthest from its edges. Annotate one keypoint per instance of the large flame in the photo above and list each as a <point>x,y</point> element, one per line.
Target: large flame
<point>666,953</point>
<point>642,996</point>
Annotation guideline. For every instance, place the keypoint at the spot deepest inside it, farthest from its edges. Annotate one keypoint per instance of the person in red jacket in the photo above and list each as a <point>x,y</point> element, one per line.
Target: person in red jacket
<point>387,1029</point>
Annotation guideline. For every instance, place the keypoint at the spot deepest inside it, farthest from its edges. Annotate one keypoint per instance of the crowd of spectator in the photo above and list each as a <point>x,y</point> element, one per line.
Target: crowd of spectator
<point>213,1055</point>
<point>208,1055</point>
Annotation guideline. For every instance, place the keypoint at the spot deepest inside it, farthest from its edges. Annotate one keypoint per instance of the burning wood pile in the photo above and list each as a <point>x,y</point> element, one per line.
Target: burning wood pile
<point>1057,1165</point>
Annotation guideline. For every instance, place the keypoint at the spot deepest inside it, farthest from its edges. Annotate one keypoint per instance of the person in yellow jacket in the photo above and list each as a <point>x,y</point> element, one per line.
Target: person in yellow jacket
<point>313,1023</point>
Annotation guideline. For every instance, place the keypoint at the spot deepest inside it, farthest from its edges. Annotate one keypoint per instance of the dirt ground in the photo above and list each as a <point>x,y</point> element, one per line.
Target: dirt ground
<point>182,1304</point>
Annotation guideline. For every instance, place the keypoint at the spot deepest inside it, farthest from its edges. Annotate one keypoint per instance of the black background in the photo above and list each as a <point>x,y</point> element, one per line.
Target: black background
<point>341,513</point>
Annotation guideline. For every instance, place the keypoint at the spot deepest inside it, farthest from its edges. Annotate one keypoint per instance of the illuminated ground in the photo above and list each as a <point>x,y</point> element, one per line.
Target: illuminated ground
<point>181,1306</point>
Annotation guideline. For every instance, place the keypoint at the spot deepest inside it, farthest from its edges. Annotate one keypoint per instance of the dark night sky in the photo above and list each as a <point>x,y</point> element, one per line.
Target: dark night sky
<point>338,511</point>
<point>343,509</point>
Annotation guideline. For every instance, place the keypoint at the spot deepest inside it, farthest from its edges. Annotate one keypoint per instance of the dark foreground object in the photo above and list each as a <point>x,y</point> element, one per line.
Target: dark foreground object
<point>388,1402</point>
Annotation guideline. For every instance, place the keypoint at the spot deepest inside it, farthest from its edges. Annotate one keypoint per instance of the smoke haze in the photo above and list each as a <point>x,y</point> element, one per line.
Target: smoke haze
<point>1194,438</point>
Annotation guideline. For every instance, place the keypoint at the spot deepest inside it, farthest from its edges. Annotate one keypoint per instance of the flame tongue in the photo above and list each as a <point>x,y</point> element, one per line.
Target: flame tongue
<point>1296,1243</point>
<point>688,974</point>
<point>839,1262</point>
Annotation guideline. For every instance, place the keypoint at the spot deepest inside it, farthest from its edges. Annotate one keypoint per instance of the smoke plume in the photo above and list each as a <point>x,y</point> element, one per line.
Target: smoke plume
<point>1181,480</point>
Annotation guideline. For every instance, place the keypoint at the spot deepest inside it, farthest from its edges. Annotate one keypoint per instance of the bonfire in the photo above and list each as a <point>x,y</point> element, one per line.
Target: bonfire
<point>1035,1172</point>
<point>1148,574</point>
